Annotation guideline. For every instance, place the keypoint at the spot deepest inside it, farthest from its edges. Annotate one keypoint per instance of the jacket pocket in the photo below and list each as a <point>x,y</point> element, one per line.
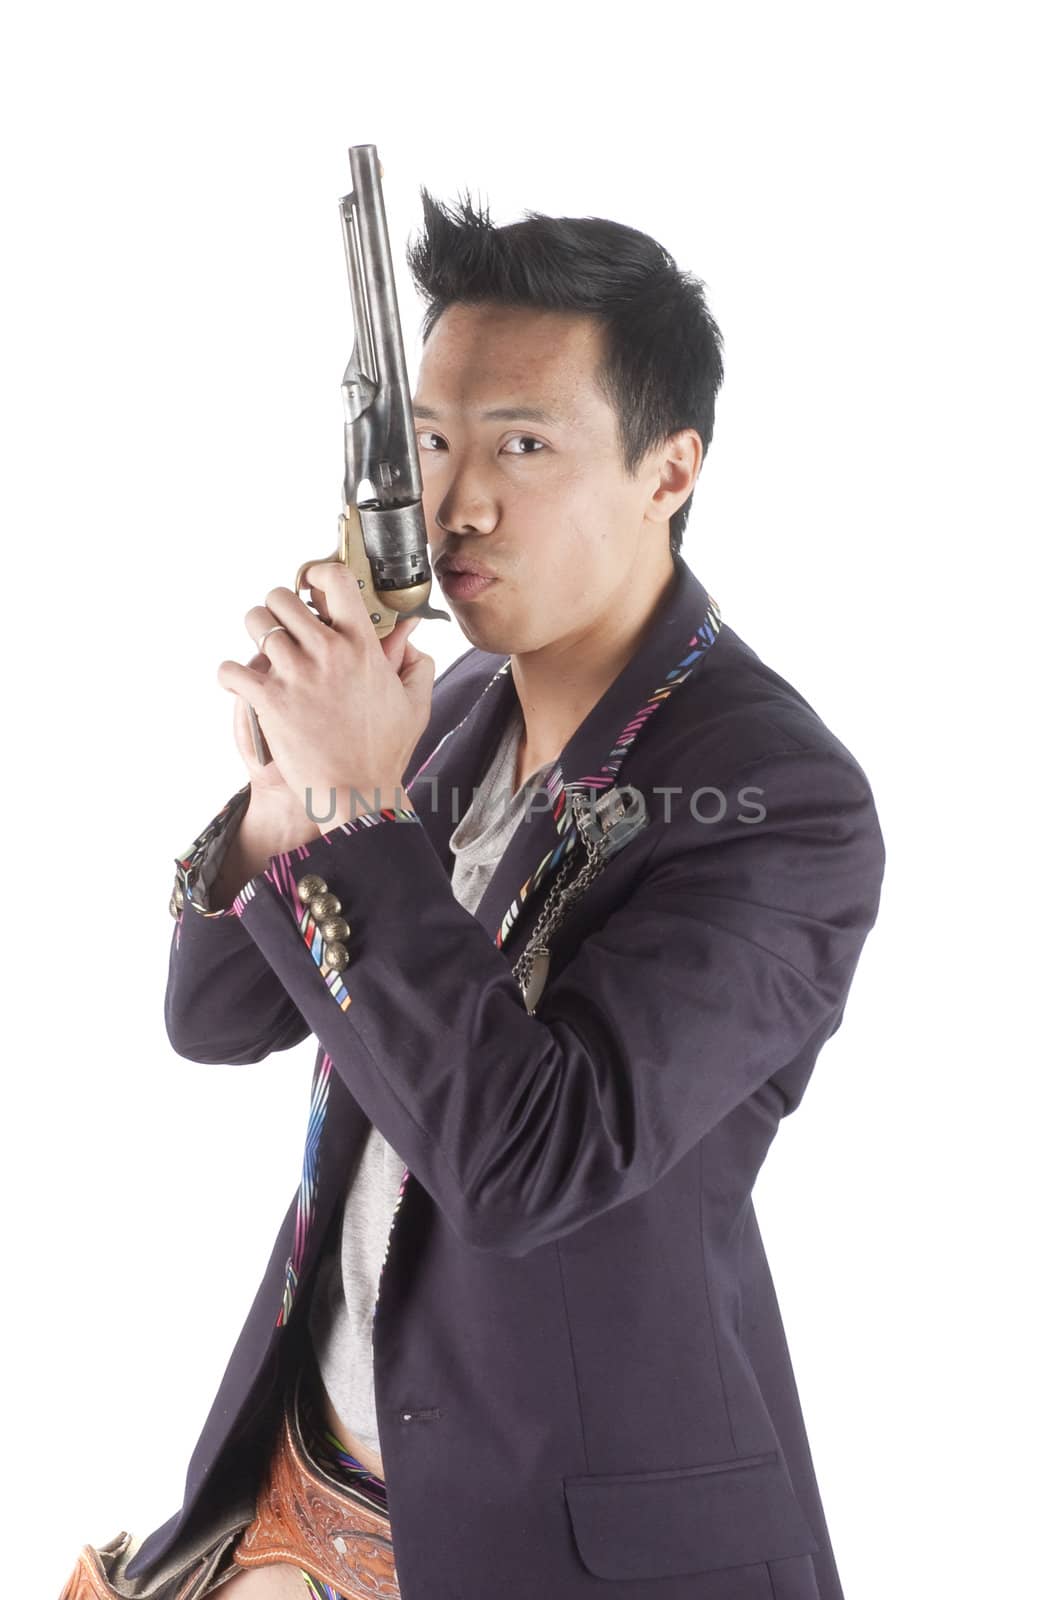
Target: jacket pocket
<point>687,1519</point>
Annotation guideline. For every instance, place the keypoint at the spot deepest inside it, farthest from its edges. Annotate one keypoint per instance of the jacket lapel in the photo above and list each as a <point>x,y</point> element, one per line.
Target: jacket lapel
<point>676,638</point>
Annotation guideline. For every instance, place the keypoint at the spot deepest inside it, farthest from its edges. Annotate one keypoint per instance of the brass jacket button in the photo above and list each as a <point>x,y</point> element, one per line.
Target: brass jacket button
<point>324,905</point>
<point>309,886</point>
<point>335,928</point>
<point>335,956</point>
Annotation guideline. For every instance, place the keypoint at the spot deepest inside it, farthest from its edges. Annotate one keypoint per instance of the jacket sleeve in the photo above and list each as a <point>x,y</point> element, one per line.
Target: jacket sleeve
<point>732,956</point>
<point>223,1002</point>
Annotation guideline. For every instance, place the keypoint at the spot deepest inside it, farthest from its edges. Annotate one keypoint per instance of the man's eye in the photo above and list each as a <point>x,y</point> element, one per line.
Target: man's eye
<point>527,439</point>
<point>524,438</point>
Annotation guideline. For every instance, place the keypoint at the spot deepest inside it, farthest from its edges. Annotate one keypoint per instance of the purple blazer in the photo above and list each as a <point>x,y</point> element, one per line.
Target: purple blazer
<point>581,1372</point>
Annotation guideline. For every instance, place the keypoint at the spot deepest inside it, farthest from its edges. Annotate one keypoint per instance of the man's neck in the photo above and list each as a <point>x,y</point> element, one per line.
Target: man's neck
<point>558,685</point>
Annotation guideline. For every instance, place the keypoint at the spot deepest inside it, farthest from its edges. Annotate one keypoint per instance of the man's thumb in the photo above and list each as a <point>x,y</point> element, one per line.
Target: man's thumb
<point>417,670</point>
<point>395,643</point>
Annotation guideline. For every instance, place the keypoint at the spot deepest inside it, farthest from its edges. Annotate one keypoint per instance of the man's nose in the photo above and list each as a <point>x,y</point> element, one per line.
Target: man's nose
<point>466,515</point>
<point>466,506</point>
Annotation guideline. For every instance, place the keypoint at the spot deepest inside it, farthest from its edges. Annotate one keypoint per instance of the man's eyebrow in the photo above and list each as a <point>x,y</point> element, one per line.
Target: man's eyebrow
<point>498,414</point>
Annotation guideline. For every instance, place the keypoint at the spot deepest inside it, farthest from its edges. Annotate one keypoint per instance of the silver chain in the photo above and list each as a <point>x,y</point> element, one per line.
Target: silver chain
<point>562,893</point>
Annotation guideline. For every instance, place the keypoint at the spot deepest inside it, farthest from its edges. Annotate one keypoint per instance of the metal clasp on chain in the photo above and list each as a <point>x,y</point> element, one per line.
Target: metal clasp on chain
<point>610,821</point>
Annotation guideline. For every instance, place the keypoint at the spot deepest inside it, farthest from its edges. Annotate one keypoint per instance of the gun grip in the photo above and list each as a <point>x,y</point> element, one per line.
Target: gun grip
<point>352,552</point>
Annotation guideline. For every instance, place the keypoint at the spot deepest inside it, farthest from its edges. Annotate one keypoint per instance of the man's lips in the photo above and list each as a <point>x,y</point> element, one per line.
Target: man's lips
<point>460,584</point>
<point>457,567</point>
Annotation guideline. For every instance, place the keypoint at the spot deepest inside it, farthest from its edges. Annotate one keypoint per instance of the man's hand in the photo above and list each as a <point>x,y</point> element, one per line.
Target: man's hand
<point>340,708</point>
<point>266,781</point>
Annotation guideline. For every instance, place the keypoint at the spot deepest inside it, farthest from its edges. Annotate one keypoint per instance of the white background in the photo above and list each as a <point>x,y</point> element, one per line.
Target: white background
<point>870,195</point>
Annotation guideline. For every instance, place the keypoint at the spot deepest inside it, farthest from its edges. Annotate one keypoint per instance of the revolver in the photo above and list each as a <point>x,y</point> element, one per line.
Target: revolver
<point>382,536</point>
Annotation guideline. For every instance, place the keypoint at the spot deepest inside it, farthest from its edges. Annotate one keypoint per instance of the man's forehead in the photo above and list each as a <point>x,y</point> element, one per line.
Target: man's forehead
<point>519,324</point>
<point>509,368</point>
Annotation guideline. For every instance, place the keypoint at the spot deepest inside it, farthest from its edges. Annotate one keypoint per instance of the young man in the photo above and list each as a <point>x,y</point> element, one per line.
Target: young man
<point>521,1285</point>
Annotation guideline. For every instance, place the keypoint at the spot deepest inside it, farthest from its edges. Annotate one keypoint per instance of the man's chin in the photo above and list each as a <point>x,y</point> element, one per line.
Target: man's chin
<point>482,634</point>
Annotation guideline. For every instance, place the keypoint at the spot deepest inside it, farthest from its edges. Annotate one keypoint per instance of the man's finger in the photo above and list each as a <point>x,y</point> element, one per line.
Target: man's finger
<point>242,681</point>
<point>417,674</point>
<point>299,621</point>
<point>320,604</point>
<point>345,607</point>
<point>394,643</point>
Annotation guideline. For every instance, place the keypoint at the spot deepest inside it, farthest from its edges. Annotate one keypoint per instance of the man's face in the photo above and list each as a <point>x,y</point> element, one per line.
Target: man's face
<point>545,505</point>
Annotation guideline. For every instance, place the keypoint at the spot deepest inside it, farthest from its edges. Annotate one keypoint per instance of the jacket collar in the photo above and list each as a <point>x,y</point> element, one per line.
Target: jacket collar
<point>684,626</point>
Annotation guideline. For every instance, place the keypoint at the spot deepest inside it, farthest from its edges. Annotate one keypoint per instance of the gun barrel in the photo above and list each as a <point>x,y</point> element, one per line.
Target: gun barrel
<point>379,427</point>
<point>382,537</point>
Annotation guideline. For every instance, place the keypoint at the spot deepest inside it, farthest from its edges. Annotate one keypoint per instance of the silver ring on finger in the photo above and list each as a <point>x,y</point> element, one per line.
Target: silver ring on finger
<point>278,627</point>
